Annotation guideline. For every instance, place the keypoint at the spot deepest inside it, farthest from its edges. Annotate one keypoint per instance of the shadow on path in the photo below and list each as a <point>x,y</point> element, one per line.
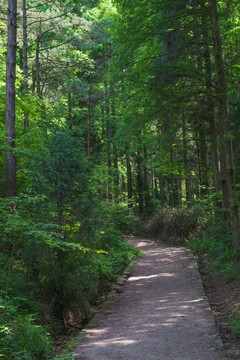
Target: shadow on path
<point>160,314</point>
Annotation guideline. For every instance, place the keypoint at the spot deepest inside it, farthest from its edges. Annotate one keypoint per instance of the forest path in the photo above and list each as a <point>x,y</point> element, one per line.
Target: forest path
<point>160,314</point>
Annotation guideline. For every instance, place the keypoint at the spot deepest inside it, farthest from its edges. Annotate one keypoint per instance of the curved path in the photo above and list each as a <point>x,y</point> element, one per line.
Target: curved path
<point>160,313</point>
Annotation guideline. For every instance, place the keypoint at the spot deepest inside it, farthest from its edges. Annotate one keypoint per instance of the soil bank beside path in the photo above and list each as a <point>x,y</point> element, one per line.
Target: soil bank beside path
<point>161,313</point>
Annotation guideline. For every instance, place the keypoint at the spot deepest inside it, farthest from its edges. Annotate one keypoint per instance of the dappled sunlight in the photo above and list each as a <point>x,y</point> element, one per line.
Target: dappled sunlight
<point>142,244</point>
<point>167,275</point>
<point>114,341</point>
<point>195,300</point>
<point>160,304</point>
<point>136,278</point>
<point>98,331</point>
<point>186,305</point>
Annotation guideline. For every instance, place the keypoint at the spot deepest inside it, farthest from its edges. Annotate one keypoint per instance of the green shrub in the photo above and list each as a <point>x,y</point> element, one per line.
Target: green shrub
<point>214,245</point>
<point>122,218</point>
<point>22,339</point>
<point>235,322</point>
<point>172,224</point>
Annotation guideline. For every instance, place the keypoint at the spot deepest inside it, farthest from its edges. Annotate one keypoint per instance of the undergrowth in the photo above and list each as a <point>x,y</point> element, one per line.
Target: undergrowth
<point>214,245</point>
<point>172,224</point>
<point>51,275</point>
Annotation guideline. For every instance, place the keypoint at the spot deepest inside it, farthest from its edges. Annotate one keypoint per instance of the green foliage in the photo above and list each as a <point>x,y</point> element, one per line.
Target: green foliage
<point>139,115</point>
<point>21,338</point>
<point>213,244</point>
<point>122,218</point>
<point>235,323</point>
<point>51,264</point>
<point>55,245</point>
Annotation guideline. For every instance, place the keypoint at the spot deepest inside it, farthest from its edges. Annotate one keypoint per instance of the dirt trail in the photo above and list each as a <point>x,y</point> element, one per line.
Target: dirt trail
<point>160,314</point>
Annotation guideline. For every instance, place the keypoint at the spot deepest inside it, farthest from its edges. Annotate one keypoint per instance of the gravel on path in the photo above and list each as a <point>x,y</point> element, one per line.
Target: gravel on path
<point>160,313</point>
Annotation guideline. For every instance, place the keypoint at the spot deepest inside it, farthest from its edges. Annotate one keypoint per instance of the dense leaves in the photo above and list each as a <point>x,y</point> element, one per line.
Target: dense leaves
<point>124,110</point>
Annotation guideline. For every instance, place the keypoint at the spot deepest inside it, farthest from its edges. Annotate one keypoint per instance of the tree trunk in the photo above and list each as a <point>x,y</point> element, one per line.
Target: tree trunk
<point>226,151</point>
<point>109,145</point>
<point>179,185</point>
<point>123,184</point>
<point>203,156</point>
<point>11,178</point>
<point>89,121</point>
<point>210,107</point>
<point>116,179</point>
<point>197,183</point>
<point>173,184</point>
<point>109,157</point>
<point>37,60</point>
<point>162,190</point>
<point>154,185</point>
<point>116,172</point>
<point>129,180</point>
<point>212,123</point>
<point>140,183</point>
<point>175,191</point>
<point>25,60</point>
<point>187,173</point>
<point>170,191</point>
<point>69,117</point>
<point>146,193</point>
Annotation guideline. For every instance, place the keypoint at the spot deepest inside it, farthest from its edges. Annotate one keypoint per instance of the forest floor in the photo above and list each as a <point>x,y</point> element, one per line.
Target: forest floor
<point>224,298</point>
<point>160,313</point>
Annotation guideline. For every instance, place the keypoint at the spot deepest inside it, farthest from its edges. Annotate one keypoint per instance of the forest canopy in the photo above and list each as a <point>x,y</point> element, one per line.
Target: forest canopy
<point>116,117</point>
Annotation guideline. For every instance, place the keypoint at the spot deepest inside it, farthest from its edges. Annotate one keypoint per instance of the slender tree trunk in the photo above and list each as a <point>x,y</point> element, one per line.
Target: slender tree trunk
<point>109,157</point>
<point>203,156</point>
<point>37,60</point>
<point>176,190</point>
<point>170,191</point>
<point>116,172</point>
<point>214,145</point>
<point>211,108</point>
<point>69,117</point>
<point>226,151</point>
<point>162,190</point>
<point>123,184</point>
<point>154,185</point>
<point>109,145</point>
<point>140,183</point>
<point>179,185</point>
<point>146,195</point>
<point>173,183</point>
<point>11,178</point>
<point>129,179</point>
<point>187,177</point>
<point>25,60</point>
<point>212,123</point>
<point>89,121</point>
<point>116,179</point>
<point>198,182</point>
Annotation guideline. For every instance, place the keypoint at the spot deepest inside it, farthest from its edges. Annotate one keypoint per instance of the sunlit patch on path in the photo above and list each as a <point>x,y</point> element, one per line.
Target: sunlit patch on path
<point>161,313</point>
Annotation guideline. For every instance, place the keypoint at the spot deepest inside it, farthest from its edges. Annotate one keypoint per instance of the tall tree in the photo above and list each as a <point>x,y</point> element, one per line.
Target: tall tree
<point>25,59</point>
<point>226,151</point>
<point>11,177</point>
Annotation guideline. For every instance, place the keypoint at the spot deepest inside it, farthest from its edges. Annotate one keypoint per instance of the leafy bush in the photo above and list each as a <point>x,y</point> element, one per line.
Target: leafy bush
<point>122,218</point>
<point>60,246</point>
<point>214,245</point>
<point>172,224</point>
<point>235,322</point>
<point>22,339</point>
